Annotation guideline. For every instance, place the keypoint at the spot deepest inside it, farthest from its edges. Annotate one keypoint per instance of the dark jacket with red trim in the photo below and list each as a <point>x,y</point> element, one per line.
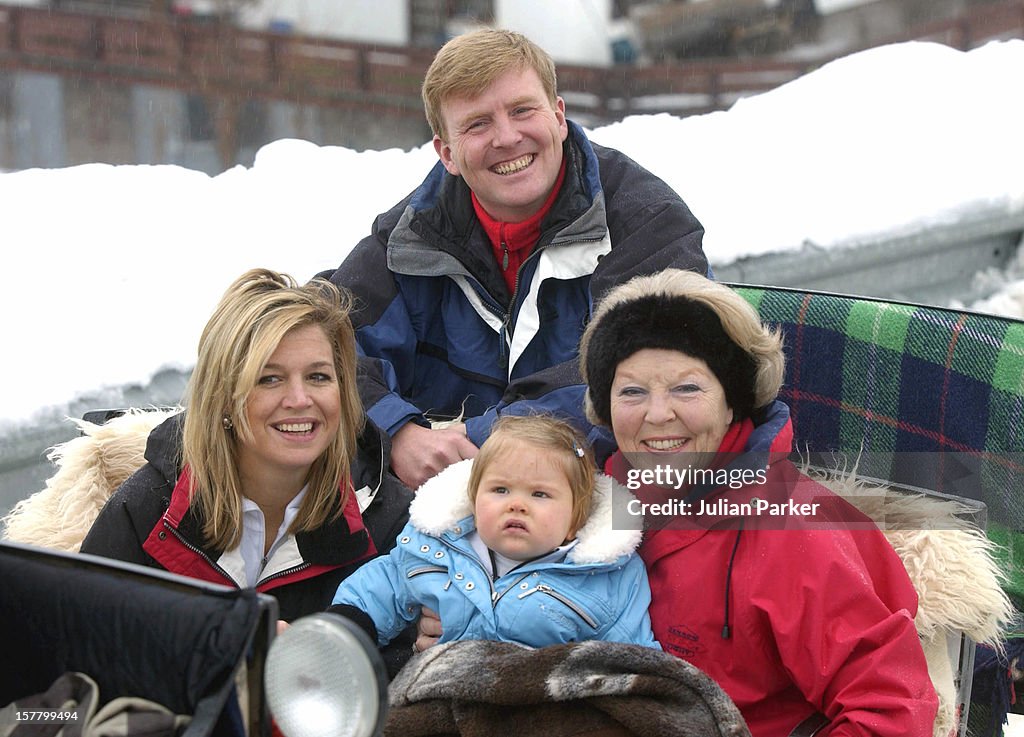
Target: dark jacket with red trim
<point>148,521</point>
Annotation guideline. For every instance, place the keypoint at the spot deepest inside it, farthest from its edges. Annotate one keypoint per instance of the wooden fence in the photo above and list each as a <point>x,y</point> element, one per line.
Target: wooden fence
<point>219,59</point>
<point>223,61</point>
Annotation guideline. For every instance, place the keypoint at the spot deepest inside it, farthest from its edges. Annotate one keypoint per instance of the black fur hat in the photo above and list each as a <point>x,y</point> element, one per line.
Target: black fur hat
<point>674,323</point>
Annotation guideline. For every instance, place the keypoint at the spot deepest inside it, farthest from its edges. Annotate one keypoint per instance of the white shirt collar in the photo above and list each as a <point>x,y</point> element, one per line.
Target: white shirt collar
<point>246,563</point>
<point>492,559</point>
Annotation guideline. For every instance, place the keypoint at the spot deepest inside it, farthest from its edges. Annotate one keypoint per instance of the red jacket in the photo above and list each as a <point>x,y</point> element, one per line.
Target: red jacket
<point>819,615</point>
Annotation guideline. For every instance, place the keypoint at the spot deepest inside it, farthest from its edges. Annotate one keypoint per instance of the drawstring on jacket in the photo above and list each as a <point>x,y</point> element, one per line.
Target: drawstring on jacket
<point>726,630</point>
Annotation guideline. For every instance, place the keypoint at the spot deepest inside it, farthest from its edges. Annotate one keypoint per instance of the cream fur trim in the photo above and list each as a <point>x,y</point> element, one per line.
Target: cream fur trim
<point>89,468</point>
<point>949,559</point>
<point>442,501</point>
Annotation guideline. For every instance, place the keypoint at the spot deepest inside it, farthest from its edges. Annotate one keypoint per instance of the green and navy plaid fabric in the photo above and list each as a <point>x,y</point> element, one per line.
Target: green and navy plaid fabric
<point>926,396</point>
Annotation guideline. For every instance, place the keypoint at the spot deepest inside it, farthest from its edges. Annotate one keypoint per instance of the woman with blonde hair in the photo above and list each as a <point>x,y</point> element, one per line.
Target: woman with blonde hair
<point>272,479</point>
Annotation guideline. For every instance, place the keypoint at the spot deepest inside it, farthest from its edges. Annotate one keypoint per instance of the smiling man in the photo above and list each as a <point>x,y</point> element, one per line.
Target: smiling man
<point>473,291</point>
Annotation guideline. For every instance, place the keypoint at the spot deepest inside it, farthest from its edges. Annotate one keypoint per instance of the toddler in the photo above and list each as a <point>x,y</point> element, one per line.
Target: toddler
<point>516,545</point>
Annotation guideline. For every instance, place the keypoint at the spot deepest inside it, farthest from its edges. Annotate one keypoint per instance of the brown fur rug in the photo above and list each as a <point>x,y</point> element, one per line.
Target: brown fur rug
<point>498,689</point>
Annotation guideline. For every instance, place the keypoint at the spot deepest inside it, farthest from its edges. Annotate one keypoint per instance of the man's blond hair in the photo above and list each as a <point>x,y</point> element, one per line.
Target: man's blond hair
<point>468,64</point>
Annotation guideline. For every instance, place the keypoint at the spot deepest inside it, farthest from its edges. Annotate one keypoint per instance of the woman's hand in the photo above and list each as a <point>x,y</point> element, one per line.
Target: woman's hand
<point>282,626</point>
<point>428,630</point>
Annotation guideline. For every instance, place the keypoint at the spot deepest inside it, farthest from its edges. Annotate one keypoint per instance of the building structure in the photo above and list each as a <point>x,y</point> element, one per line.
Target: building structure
<point>205,83</point>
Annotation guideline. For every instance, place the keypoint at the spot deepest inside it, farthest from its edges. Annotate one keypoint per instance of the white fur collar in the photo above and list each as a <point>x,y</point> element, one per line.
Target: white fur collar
<point>442,501</point>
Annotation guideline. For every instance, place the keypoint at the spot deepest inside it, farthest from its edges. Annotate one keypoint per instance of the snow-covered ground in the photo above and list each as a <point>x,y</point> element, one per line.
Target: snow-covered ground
<point>1015,728</point>
<point>113,270</point>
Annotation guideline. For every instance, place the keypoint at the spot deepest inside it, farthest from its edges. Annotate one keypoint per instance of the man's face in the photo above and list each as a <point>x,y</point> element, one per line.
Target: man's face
<point>506,143</point>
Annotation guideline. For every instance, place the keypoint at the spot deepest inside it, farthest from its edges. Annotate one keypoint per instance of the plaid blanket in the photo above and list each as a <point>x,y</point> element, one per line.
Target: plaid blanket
<point>922,396</point>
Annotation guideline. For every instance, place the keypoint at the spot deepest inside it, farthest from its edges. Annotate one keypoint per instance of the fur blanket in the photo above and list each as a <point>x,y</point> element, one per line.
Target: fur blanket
<point>500,689</point>
<point>89,469</point>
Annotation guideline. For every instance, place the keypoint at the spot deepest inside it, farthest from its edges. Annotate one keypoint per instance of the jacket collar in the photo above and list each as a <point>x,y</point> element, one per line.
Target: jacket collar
<point>773,431</point>
<point>337,542</point>
<point>442,505</point>
<point>163,446</point>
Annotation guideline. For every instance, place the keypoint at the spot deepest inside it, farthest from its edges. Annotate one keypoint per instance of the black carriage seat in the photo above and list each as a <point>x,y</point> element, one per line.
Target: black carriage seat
<point>135,631</point>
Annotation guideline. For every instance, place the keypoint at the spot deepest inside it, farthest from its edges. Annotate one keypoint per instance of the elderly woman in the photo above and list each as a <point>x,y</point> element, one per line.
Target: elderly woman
<point>801,611</point>
<point>275,482</point>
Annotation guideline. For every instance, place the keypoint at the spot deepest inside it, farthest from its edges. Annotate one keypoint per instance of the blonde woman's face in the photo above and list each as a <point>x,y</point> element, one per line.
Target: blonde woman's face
<point>295,408</point>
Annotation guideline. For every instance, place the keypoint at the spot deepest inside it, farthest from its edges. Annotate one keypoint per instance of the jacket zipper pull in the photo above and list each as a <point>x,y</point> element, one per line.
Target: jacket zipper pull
<point>503,348</point>
<point>504,256</point>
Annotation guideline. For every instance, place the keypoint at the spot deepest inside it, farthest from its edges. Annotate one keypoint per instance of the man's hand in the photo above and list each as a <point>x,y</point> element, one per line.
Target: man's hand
<point>420,453</point>
<point>428,630</point>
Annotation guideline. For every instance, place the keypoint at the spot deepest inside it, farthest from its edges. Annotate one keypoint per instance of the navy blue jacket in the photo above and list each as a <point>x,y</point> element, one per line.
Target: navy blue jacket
<point>440,334</point>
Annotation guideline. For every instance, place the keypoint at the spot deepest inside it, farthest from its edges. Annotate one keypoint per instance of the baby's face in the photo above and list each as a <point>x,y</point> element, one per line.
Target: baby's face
<point>524,502</point>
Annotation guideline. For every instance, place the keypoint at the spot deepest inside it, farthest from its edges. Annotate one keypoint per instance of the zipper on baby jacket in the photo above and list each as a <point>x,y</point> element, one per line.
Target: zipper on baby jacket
<point>545,589</point>
<point>495,595</point>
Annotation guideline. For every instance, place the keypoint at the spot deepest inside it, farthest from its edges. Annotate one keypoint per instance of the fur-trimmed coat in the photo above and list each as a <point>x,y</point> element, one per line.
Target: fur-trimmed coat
<point>597,590</point>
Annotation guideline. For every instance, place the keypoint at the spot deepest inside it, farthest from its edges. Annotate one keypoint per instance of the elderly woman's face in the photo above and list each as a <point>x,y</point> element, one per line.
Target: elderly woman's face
<point>666,402</point>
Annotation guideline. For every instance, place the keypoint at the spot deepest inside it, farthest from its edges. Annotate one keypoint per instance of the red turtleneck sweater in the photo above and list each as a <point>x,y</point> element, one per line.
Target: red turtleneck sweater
<point>514,242</point>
